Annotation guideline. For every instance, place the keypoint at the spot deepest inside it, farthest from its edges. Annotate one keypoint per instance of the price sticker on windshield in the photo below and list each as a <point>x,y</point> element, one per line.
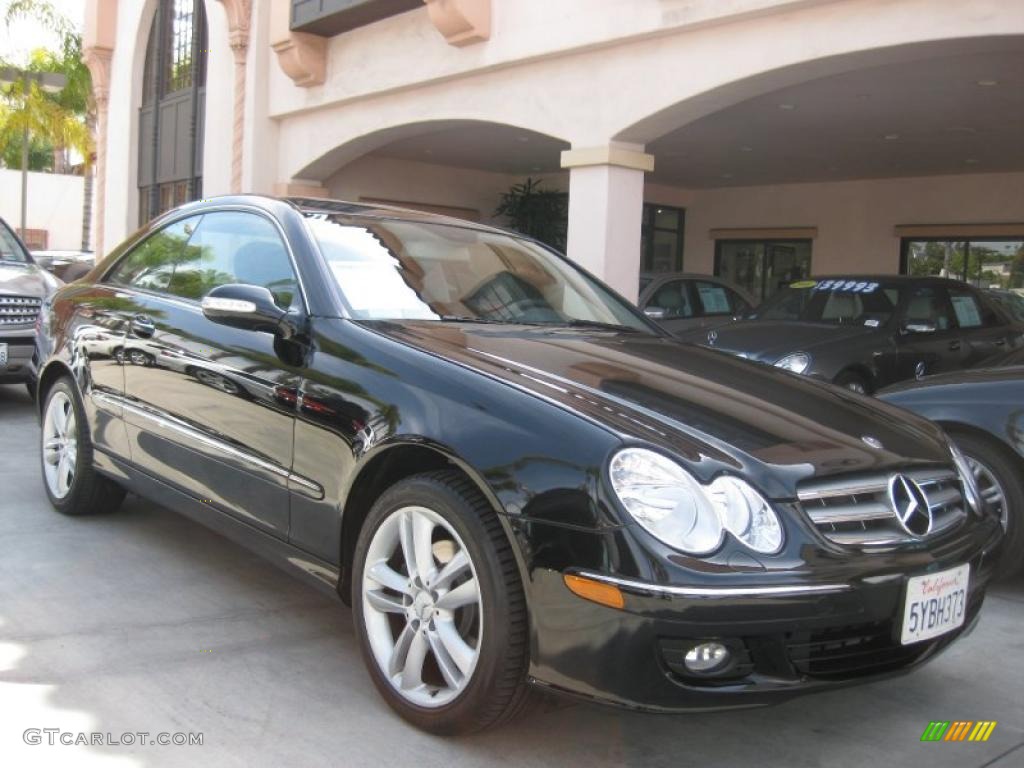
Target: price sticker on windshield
<point>846,286</point>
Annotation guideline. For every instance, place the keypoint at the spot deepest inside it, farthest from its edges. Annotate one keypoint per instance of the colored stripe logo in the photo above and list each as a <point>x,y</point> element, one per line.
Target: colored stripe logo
<point>959,730</point>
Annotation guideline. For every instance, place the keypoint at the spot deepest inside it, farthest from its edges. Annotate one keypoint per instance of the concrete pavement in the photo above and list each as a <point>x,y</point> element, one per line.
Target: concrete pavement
<point>143,621</point>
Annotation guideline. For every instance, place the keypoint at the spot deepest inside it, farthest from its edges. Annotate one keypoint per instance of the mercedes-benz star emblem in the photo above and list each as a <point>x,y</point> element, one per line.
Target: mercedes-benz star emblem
<point>910,505</point>
<point>712,337</point>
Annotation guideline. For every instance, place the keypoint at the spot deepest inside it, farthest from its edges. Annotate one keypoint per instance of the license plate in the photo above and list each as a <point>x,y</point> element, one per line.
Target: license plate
<point>935,604</point>
<point>3,354</point>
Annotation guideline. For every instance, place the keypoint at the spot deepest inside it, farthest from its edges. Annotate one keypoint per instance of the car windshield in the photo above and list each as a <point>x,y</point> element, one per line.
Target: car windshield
<point>409,270</point>
<point>11,248</point>
<point>840,301</point>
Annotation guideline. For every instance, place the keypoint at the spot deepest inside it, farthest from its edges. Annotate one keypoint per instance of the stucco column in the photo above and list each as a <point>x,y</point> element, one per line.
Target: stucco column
<point>606,197</point>
<point>98,53</point>
<point>239,13</point>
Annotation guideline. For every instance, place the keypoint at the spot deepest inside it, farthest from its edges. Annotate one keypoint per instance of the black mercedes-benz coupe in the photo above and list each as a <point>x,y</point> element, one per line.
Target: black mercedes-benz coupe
<point>512,476</point>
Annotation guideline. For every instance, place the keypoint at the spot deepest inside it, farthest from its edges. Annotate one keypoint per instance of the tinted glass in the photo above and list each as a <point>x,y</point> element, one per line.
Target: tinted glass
<point>236,247</point>
<point>10,248</point>
<point>674,298</point>
<point>392,270</point>
<point>927,307</point>
<point>190,257</point>
<point>838,301</point>
<point>150,265</point>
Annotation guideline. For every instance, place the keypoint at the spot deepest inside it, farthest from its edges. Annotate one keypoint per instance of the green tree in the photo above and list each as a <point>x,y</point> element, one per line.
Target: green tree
<point>61,122</point>
<point>537,212</point>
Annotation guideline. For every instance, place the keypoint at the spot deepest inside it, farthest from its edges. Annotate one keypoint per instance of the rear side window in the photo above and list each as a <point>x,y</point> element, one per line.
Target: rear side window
<point>151,264</point>
<point>970,311</point>
<point>674,298</point>
<point>190,257</point>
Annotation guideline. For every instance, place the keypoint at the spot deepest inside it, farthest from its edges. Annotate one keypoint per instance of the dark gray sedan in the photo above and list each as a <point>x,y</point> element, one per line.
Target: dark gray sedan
<point>982,410</point>
<point>866,332</point>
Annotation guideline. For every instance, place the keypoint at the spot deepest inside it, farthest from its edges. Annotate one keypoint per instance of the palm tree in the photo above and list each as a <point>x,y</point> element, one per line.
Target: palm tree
<point>64,120</point>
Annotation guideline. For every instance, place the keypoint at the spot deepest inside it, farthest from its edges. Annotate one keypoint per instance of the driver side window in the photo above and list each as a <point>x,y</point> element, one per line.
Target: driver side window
<point>927,306</point>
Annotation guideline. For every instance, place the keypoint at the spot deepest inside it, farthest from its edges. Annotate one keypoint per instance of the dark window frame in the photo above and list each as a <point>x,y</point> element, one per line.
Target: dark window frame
<point>967,241</point>
<point>648,229</point>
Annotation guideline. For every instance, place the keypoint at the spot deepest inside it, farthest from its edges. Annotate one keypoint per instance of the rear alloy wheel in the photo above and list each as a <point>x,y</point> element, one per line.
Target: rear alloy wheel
<point>72,484</point>
<point>1001,484</point>
<point>439,606</point>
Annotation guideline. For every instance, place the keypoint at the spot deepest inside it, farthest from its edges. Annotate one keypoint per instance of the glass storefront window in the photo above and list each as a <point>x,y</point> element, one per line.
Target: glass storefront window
<point>984,263</point>
<point>762,267</point>
<point>661,246</point>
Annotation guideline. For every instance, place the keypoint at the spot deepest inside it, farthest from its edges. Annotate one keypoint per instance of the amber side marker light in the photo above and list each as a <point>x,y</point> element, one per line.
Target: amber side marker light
<point>595,591</point>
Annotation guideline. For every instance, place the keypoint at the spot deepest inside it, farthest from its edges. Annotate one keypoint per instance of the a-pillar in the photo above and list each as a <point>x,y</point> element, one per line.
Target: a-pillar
<point>606,198</point>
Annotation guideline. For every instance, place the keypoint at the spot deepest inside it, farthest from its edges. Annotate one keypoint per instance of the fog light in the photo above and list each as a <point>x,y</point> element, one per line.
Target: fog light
<point>707,658</point>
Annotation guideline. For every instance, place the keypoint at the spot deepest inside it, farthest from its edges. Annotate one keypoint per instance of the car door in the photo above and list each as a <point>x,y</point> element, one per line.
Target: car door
<point>671,305</point>
<point>983,331</point>
<point>210,408</point>
<point>927,340</point>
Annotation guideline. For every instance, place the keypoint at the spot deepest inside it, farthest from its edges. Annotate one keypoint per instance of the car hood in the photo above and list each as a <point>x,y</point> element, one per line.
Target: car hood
<point>770,340</point>
<point>25,279</point>
<point>715,412</point>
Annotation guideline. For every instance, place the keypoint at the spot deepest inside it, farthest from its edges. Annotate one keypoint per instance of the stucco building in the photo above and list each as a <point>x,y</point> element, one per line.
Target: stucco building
<point>756,139</point>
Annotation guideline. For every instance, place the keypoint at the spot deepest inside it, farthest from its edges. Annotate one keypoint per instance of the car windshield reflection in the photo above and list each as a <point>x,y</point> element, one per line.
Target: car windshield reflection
<point>402,270</point>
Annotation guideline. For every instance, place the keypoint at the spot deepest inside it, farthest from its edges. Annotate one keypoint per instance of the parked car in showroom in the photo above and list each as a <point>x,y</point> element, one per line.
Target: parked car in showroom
<point>23,286</point>
<point>982,410</point>
<point>866,332</point>
<point>512,476</point>
<point>680,301</point>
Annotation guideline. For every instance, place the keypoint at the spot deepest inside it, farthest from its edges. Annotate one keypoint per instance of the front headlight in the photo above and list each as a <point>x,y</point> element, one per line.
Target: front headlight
<point>798,362</point>
<point>967,479</point>
<point>673,507</point>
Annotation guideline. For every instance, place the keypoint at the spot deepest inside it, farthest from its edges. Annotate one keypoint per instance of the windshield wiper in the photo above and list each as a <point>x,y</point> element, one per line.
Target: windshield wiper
<point>577,323</point>
<point>468,319</point>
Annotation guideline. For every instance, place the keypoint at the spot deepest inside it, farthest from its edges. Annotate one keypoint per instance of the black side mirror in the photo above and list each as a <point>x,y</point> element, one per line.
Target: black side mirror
<point>249,307</point>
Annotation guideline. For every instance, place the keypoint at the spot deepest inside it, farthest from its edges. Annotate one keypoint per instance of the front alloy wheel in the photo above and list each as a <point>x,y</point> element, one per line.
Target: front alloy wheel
<point>439,606</point>
<point>421,604</point>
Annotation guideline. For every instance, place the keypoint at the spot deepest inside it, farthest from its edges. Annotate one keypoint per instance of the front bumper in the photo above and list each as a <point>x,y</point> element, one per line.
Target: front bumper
<point>20,346</point>
<point>788,640</point>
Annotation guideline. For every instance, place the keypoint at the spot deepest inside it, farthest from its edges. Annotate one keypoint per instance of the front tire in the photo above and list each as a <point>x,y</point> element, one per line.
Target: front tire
<point>66,453</point>
<point>439,606</point>
<point>1001,482</point>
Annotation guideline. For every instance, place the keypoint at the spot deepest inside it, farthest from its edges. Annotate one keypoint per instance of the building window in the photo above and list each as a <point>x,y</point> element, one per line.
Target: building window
<point>661,248</point>
<point>990,262</point>
<point>171,113</point>
<point>762,267</point>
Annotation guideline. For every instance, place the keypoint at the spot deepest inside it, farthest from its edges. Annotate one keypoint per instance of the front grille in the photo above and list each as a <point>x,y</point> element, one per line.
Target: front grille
<point>857,511</point>
<point>19,310</point>
<point>852,651</point>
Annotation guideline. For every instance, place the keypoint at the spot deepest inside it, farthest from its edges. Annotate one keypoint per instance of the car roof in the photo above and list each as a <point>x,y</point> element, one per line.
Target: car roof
<point>315,205</point>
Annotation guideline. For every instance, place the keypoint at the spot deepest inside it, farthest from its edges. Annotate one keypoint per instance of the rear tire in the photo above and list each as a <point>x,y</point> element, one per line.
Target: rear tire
<point>66,455</point>
<point>993,464</point>
<point>482,682</point>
